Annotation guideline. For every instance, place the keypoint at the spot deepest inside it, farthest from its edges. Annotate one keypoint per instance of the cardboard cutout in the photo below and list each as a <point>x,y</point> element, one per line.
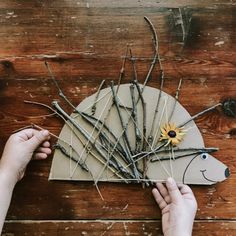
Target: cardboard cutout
<point>133,133</point>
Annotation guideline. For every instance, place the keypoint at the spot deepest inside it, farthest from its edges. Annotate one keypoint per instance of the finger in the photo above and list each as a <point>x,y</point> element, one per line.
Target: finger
<point>28,134</point>
<point>46,144</point>
<point>24,134</point>
<point>159,199</point>
<point>40,156</point>
<point>173,190</point>
<point>165,210</point>
<point>44,150</point>
<point>187,193</point>
<point>37,138</point>
<point>185,189</point>
<point>162,189</point>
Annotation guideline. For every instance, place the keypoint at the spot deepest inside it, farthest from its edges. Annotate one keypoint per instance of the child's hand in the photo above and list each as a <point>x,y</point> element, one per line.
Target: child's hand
<point>178,206</point>
<point>19,150</point>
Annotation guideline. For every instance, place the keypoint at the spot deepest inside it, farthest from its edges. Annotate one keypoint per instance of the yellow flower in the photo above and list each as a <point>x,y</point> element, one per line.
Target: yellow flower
<point>172,134</point>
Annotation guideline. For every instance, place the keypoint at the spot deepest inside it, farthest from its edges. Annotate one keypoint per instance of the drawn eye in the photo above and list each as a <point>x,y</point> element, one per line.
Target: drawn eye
<point>204,156</point>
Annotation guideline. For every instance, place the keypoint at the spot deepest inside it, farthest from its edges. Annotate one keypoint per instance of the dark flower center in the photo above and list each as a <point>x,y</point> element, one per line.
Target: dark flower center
<point>172,134</point>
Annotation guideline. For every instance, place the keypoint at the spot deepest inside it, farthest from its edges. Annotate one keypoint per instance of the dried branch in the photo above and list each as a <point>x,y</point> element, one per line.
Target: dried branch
<point>96,97</point>
<point>199,114</point>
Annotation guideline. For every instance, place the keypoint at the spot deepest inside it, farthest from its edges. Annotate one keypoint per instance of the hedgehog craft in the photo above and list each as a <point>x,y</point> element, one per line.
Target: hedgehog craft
<point>133,133</point>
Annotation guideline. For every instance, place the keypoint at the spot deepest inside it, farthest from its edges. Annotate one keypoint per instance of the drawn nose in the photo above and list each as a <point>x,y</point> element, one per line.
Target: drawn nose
<point>227,173</point>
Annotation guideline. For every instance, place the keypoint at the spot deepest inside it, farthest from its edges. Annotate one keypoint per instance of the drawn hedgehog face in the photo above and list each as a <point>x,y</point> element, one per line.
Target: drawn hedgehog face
<point>209,171</point>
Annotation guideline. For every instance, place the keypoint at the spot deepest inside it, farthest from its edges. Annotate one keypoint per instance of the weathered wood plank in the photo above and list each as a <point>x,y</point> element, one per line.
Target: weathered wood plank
<point>45,31</point>
<point>83,228</point>
<point>206,91</point>
<point>116,228</point>
<point>77,67</point>
<point>115,4</point>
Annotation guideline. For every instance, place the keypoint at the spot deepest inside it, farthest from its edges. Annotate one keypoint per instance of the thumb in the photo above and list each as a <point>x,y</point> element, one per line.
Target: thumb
<point>38,138</point>
<point>173,190</point>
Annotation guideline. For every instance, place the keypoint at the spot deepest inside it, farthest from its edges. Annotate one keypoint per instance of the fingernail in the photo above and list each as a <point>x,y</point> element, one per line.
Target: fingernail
<point>170,180</point>
<point>44,156</point>
<point>45,133</point>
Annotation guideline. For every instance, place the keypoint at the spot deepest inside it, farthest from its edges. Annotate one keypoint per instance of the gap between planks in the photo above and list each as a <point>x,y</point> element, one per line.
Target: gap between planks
<point>112,221</point>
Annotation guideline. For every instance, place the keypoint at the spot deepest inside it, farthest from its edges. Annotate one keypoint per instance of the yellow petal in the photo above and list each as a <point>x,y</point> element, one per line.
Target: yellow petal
<point>163,131</point>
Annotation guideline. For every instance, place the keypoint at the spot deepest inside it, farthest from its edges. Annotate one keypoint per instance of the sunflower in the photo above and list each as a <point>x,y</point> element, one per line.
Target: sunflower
<point>172,134</point>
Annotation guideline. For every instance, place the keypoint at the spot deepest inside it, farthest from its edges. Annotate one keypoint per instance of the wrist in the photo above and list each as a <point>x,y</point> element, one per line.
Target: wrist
<point>179,231</point>
<point>7,179</point>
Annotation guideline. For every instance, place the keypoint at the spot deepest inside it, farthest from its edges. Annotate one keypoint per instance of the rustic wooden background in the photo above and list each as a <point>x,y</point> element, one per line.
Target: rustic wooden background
<point>84,42</point>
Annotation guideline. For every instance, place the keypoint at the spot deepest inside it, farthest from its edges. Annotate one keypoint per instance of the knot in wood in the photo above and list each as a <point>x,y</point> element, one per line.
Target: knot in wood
<point>229,107</point>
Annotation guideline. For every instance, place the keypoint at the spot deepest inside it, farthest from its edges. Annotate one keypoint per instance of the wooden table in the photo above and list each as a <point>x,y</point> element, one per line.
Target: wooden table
<point>84,42</point>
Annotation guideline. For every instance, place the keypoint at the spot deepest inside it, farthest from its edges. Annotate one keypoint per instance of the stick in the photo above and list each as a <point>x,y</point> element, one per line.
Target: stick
<point>96,97</point>
<point>199,114</point>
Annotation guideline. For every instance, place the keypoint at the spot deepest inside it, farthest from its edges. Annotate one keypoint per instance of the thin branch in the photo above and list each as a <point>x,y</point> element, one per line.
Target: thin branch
<point>61,94</point>
<point>122,70</point>
<point>125,137</point>
<point>150,137</point>
<point>96,97</point>
<point>65,153</point>
<point>133,65</point>
<point>22,128</point>
<point>176,99</point>
<point>40,104</point>
<point>156,55</point>
<point>138,139</point>
<point>199,114</point>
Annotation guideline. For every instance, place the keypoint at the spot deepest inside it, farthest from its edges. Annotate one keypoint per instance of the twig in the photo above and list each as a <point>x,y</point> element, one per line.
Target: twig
<point>40,104</point>
<point>199,114</point>
<point>22,128</point>
<point>207,150</point>
<point>120,117</point>
<point>96,97</point>
<point>176,157</point>
<point>65,153</point>
<point>176,99</point>
<point>161,76</point>
<point>134,105</point>
<point>144,113</point>
<point>156,55</point>
<point>150,137</point>
<point>133,64</point>
<point>53,135</point>
<point>125,137</point>
<point>122,70</point>
<point>61,94</point>
<point>138,139</point>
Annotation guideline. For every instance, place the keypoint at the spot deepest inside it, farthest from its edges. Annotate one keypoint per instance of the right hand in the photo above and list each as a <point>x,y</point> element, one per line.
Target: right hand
<point>19,150</point>
<point>178,206</point>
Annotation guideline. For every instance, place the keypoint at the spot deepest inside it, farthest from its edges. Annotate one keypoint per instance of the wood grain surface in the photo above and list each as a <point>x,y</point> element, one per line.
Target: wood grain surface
<point>85,42</point>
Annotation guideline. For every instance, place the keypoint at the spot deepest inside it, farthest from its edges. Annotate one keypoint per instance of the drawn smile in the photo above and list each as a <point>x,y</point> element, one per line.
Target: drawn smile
<point>204,176</point>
